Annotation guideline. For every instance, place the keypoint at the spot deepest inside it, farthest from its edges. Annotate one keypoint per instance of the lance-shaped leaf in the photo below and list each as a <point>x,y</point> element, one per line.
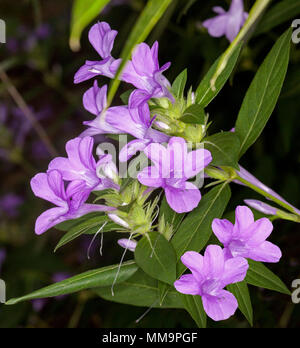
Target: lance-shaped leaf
<point>195,231</point>
<point>170,216</point>
<point>156,256</point>
<point>179,83</point>
<point>279,13</point>
<point>87,280</point>
<point>241,292</point>
<point>142,291</point>
<point>147,20</point>
<point>259,275</point>
<point>83,12</point>
<point>193,304</point>
<point>224,148</point>
<point>205,93</point>
<point>89,226</point>
<point>262,95</point>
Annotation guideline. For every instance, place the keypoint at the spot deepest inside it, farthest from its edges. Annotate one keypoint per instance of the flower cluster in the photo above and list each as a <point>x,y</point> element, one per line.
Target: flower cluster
<point>246,239</point>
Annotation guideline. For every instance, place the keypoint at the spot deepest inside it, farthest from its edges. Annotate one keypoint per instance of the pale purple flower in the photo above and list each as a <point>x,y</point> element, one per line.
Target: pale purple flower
<point>210,274</point>
<point>106,168</point>
<point>81,165</point>
<point>137,122</point>
<point>173,166</point>
<point>102,39</point>
<point>127,244</point>
<point>227,23</point>
<point>70,202</point>
<point>261,206</point>
<point>10,203</point>
<point>246,238</point>
<point>2,257</point>
<point>244,174</point>
<point>95,101</point>
<point>144,73</point>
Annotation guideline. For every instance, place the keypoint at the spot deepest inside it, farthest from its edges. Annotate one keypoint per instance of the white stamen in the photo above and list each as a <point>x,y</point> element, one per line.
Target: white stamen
<point>89,248</point>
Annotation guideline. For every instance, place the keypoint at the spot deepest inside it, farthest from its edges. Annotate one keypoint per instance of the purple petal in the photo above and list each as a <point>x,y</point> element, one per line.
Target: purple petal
<point>235,270</point>
<point>50,218</point>
<point>94,99</point>
<point>213,261</point>
<point>243,219</point>
<point>127,244</point>
<point>261,206</point>
<point>196,161</point>
<point>220,307</point>
<point>131,149</point>
<point>194,261</point>
<point>102,38</point>
<point>258,232</point>
<point>183,200</point>
<point>265,252</point>
<point>150,177</point>
<point>223,230</point>
<point>216,26</point>
<point>187,284</point>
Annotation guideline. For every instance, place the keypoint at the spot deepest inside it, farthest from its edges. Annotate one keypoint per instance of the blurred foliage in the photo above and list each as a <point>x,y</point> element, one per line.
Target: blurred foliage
<point>41,66</point>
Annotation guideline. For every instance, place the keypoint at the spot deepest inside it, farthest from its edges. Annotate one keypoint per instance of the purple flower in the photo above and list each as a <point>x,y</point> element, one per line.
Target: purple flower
<point>70,202</point>
<point>2,257</point>
<point>247,238</point>
<point>210,274</point>
<point>137,122</point>
<point>261,206</point>
<point>172,167</point>
<point>127,244</point>
<point>81,165</point>
<point>144,73</point>
<point>244,174</point>
<point>10,203</point>
<point>102,39</point>
<point>227,23</point>
<point>95,101</point>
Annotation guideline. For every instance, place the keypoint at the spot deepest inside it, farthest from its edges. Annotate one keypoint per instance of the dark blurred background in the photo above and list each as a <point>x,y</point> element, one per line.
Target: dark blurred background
<point>41,66</point>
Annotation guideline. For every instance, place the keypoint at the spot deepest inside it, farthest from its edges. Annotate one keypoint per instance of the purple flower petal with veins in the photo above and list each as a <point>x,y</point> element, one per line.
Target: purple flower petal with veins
<point>102,39</point>
<point>173,166</point>
<point>227,23</point>
<point>70,203</point>
<point>210,274</point>
<point>261,206</point>
<point>247,238</point>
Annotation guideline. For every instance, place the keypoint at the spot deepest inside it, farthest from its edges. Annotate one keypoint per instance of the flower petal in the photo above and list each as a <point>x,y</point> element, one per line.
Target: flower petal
<point>150,177</point>
<point>235,270</point>
<point>187,284</point>
<point>183,200</point>
<point>213,261</point>
<point>50,218</point>
<point>265,252</point>
<point>220,307</point>
<point>194,261</point>
<point>222,230</point>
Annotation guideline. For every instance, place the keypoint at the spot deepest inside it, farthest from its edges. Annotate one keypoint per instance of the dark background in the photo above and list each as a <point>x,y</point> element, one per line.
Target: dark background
<point>42,69</point>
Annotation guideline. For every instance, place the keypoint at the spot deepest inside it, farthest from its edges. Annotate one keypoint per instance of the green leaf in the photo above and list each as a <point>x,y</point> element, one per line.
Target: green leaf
<point>224,148</point>
<point>278,14</point>
<point>194,114</point>
<point>241,292</point>
<point>67,225</point>
<point>205,93</point>
<point>89,226</point>
<point>83,12</point>
<point>142,291</point>
<point>147,20</point>
<point>179,83</point>
<point>259,275</point>
<point>193,304</point>
<point>195,231</point>
<point>262,95</point>
<point>87,280</point>
<point>125,96</point>
<point>170,216</point>
<point>156,256</point>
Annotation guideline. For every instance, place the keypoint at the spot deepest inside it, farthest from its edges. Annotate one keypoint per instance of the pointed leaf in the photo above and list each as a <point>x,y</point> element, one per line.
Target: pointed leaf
<point>87,280</point>
<point>156,256</point>
<point>262,95</point>
<point>193,304</point>
<point>194,114</point>
<point>179,83</point>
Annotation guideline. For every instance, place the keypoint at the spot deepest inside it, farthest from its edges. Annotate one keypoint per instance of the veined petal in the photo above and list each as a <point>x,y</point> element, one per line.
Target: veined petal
<point>150,177</point>
<point>196,161</point>
<point>220,307</point>
<point>235,270</point>
<point>243,219</point>
<point>194,261</point>
<point>183,200</point>
<point>223,230</point>
<point>265,252</point>
<point>102,38</point>
<point>131,149</point>
<point>213,262</point>
<point>94,99</point>
<point>187,284</point>
<point>258,232</point>
<point>50,218</point>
